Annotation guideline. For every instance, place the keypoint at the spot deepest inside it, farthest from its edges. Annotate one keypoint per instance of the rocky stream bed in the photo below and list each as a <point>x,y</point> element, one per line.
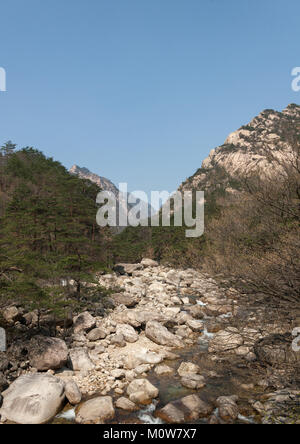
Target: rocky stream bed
<point>173,346</point>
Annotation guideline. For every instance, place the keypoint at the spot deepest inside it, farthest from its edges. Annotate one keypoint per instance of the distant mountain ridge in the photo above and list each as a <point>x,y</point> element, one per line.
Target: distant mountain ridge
<point>106,185</point>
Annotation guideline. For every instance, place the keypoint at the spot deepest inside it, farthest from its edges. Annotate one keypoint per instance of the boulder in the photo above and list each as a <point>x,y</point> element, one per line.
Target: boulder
<point>141,391</point>
<point>195,325</point>
<point>47,353</point>
<point>33,399</point>
<point>161,335</point>
<point>196,311</point>
<point>96,334</point>
<point>124,299</point>
<point>11,315</point>
<point>84,322</point>
<point>118,340</point>
<point>228,410</point>
<point>125,404</point>
<point>72,392</point>
<point>163,370</point>
<point>225,340</point>
<point>171,414</point>
<point>80,360</point>
<point>149,263</point>
<point>193,381</point>
<point>31,318</point>
<point>187,368</point>
<point>95,411</point>
<point>197,408</point>
<point>128,332</point>
<point>136,358</point>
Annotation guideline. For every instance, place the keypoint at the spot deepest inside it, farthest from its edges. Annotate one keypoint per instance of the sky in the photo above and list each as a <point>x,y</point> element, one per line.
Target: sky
<point>140,91</point>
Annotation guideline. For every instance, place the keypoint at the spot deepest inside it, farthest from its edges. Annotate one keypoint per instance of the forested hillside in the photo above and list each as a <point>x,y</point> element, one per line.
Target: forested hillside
<point>48,230</point>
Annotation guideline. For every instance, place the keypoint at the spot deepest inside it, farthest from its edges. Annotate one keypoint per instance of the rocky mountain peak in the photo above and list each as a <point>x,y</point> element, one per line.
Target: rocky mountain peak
<point>257,148</point>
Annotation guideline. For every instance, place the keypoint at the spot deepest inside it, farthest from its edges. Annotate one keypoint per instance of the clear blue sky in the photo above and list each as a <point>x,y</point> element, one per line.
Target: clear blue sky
<point>141,90</point>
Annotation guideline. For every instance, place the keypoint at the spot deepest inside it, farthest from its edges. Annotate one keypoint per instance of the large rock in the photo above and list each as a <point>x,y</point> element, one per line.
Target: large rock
<point>126,404</point>
<point>96,334</point>
<point>187,368</point>
<point>95,411</point>
<point>193,381</point>
<point>149,263</point>
<point>228,410</point>
<point>33,399</point>
<point>84,322</point>
<point>196,311</point>
<point>195,325</point>
<point>197,408</point>
<point>80,360</point>
<point>161,335</point>
<point>11,315</point>
<point>128,332</point>
<point>276,350</point>
<point>47,353</point>
<point>164,370</point>
<point>136,358</point>
<point>124,299</point>
<point>171,414</point>
<point>72,392</point>
<point>225,340</point>
<point>141,391</point>
<point>127,268</point>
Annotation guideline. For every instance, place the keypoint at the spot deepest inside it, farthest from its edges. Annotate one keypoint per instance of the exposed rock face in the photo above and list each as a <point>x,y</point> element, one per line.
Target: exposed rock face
<point>33,399</point>
<point>161,335</point>
<point>47,353</point>
<point>254,148</point>
<point>95,411</point>
<point>102,182</point>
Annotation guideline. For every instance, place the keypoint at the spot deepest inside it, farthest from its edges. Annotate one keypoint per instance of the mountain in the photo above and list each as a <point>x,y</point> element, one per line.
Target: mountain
<point>107,185</point>
<point>102,182</point>
<point>259,148</point>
